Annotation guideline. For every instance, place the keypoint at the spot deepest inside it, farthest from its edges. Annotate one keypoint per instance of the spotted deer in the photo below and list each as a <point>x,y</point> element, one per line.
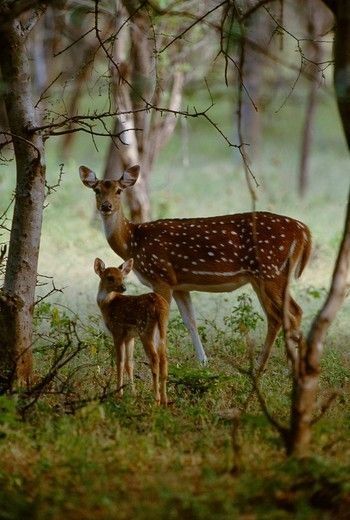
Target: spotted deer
<point>127,317</point>
<point>213,254</point>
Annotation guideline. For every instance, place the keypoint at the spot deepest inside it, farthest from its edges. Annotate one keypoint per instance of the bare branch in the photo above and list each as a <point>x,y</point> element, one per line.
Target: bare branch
<point>47,88</point>
<point>325,406</point>
<point>15,136</point>
<point>198,20</point>
<point>74,43</point>
<point>53,290</point>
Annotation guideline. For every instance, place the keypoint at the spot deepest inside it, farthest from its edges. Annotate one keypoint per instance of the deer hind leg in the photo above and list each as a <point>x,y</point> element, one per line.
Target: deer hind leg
<point>152,354</point>
<point>129,362</point>
<point>271,295</point>
<point>273,328</point>
<point>184,303</point>
<point>295,318</point>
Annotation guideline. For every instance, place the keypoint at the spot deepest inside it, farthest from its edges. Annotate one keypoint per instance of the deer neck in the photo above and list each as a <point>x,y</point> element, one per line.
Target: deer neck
<point>104,298</point>
<point>119,232</point>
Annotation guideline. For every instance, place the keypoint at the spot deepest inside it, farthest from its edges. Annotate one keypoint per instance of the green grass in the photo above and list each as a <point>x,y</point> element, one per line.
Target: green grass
<point>77,455</point>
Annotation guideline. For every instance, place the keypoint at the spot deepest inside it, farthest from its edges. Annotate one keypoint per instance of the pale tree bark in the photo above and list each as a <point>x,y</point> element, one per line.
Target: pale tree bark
<point>135,88</point>
<point>78,86</point>
<point>319,21</point>
<point>17,296</point>
<point>257,36</point>
<point>306,384</point>
<point>129,87</point>
<point>123,153</point>
<point>85,54</point>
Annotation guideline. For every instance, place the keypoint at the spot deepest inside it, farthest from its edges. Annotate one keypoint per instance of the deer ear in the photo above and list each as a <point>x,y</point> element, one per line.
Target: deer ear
<point>127,266</point>
<point>130,176</point>
<point>87,177</point>
<point>99,266</point>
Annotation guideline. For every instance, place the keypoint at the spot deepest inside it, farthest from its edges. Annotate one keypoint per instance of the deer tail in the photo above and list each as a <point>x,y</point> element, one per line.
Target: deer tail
<point>305,252</point>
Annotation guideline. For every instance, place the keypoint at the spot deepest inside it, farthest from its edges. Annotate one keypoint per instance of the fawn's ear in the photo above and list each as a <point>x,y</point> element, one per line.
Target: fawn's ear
<point>127,266</point>
<point>99,267</point>
<point>87,177</point>
<point>130,176</point>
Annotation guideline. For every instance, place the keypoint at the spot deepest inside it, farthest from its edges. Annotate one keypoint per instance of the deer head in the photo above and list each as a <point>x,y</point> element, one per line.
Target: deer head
<point>112,278</point>
<point>108,192</point>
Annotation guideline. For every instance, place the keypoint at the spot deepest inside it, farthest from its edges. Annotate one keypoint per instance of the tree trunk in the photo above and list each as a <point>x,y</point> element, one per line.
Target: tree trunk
<point>306,384</point>
<point>132,84</point>
<point>145,132</point>
<point>317,23</point>
<point>253,62</point>
<point>306,139</point>
<point>342,64</point>
<point>17,297</point>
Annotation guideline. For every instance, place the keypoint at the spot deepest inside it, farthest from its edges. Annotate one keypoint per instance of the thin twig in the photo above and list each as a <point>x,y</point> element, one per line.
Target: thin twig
<point>46,89</point>
<point>198,20</point>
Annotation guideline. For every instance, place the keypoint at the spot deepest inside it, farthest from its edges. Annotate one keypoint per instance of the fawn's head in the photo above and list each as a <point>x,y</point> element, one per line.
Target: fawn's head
<point>112,278</point>
<point>108,192</point>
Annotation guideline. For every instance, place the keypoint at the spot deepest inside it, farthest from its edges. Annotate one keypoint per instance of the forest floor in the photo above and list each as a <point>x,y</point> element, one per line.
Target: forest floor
<point>74,451</point>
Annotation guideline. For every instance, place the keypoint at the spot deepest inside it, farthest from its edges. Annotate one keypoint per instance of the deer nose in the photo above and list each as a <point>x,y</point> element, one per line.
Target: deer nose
<point>106,207</point>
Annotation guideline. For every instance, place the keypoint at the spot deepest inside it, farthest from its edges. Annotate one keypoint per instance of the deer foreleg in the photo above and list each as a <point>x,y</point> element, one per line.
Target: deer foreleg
<point>184,303</point>
<point>120,359</point>
<point>129,362</point>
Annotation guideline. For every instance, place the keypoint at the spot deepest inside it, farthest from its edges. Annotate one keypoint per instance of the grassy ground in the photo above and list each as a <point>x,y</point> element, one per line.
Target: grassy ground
<point>81,454</point>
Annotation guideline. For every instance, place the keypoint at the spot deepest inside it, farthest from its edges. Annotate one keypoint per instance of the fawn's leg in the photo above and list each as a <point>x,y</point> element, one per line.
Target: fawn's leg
<point>129,361</point>
<point>152,354</point>
<point>163,368</point>
<point>119,346</point>
<point>163,359</point>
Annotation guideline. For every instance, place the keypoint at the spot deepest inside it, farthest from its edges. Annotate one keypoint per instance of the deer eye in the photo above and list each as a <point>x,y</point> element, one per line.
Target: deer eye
<point>97,191</point>
<point>118,191</point>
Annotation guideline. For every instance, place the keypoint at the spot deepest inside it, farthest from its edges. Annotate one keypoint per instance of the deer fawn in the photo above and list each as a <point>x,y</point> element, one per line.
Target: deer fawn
<point>214,254</point>
<point>127,317</point>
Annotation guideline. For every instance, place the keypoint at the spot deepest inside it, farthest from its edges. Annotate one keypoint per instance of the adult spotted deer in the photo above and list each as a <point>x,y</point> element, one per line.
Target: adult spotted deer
<point>214,254</point>
<point>127,317</point>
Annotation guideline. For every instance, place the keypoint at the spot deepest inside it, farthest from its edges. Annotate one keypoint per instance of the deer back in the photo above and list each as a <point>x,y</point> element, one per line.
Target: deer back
<point>217,249</point>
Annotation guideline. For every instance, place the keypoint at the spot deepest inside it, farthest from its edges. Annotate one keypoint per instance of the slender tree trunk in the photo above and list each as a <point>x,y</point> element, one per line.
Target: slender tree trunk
<point>306,384</point>
<point>342,64</point>
<point>318,21</point>
<point>132,84</point>
<point>307,134</point>
<point>17,297</point>
<point>145,132</point>
<point>258,34</point>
